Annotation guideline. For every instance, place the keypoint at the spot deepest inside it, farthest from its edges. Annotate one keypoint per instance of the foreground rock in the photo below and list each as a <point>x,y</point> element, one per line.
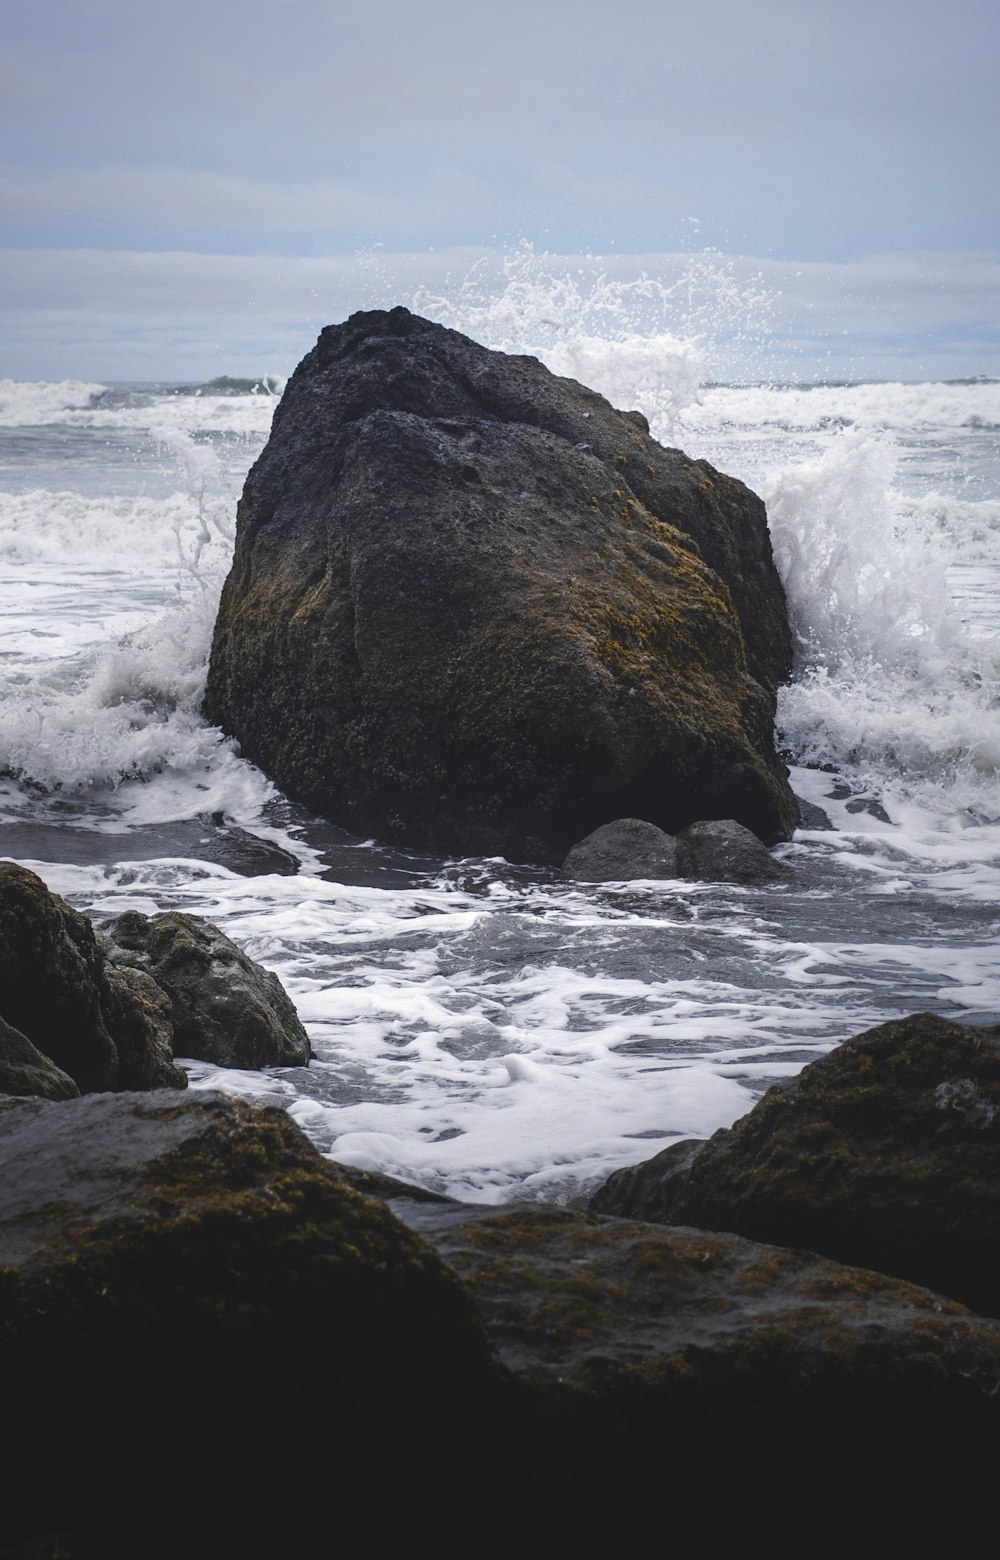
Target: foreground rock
<point>191,1299</point>
<point>56,990</point>
<point>473,608</point>
<point>185,1284</point>
<point>669,1369</point>
<point>884,1153</point>
<point>225,1007</point>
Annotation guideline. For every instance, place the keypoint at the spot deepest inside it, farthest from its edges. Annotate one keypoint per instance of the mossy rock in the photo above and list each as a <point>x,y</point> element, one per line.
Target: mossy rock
<point>886,1153</point>
<point>473,608</point>
<point>185,1283</point>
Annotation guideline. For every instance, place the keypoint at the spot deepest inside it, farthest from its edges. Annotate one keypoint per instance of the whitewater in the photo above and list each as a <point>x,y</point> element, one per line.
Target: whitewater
<point>484,1028</point>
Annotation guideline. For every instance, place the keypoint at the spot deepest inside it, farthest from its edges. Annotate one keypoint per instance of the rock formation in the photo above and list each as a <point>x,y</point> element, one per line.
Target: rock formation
<point>214,1342</point>
<point>473,608</point>
<point>82,1012</point>
<point>105,1032</point>
<point>224,1006</point>
<point>884,1154</point>
<point>718,850</point>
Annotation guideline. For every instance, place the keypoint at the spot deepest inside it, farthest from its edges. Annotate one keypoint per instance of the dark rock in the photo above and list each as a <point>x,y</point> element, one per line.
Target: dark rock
<point>25,1071</point>
<point>884,1153</point>
<point>226,1008</point>
<point>683,1368</point>
<point>648,1190</point>
<point>812,816</point>
<point>186,1284</point>
<point>720,850</point>
<point>55,989</point>
<point>144,1031</point>
<point>623,851</point>
<point>473,608</point>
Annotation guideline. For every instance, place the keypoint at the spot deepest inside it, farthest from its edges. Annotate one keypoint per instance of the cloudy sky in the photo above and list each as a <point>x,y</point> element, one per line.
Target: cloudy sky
<point>195,188</point>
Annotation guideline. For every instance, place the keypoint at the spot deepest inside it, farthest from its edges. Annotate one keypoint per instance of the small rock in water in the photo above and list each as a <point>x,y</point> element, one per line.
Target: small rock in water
<point>623,851</point>
<point>720,850</point>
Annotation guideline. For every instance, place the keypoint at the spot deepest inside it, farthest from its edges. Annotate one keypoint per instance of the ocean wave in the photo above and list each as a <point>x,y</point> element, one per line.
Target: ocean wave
<point>34,403</point>
<point>211,408</point>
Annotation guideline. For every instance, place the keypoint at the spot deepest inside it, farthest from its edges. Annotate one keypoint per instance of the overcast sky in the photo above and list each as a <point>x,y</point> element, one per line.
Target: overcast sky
<point>186,186</point>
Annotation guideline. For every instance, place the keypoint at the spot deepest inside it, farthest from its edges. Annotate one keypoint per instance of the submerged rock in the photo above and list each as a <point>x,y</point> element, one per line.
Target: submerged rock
<point>56,990</point>
<point>225,1007</point>
<point>884,1154</point>
<point>474,608</point>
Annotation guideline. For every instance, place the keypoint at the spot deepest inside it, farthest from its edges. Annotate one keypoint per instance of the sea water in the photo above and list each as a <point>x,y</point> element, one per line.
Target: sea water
<point>485,1028</point>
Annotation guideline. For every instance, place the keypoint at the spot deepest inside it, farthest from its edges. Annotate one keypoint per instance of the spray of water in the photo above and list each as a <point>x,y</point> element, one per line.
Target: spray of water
<point>644,341</point>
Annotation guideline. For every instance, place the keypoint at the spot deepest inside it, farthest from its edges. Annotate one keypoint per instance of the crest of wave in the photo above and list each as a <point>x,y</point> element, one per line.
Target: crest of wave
<point>26,403</point>
<point>888,676</point>
<point>643,341</point>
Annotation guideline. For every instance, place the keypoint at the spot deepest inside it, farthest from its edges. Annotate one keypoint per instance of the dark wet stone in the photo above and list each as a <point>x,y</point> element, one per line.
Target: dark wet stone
<point>25,1071</point>
<point>623,851</point>
<point>681,1368</point>
<point>205,1332</point>
<point>55,988</point>
<point>720,850</point>
<point>884,1153</point>
<point>811,816</point>
<point>226,1008</point>
<point>474,609</point>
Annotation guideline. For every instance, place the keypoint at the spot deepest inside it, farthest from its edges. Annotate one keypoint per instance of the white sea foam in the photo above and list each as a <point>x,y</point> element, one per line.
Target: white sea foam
<point>646,344</point>
<point>32,404</point>
<point>123,532</point>
<point>78,404</point>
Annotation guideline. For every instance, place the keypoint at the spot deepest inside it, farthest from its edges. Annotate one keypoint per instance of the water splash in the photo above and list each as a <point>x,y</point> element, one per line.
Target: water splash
<point>644,341</point>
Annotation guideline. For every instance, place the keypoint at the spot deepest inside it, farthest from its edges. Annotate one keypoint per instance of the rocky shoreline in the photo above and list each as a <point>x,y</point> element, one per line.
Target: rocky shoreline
<point>800,1311</point>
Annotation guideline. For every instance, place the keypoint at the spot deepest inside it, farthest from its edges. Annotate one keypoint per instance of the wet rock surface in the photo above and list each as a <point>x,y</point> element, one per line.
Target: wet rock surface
<point>25,1071</point>
<point>696,1363</point>
<point>720,850</point>
<point>225,1007</point>
<point>473,608</point>
<point>56,990</point>
<point>717,850</point>
<point>623,851</point>
<point>184,1278</point>
<point>884,1153</point>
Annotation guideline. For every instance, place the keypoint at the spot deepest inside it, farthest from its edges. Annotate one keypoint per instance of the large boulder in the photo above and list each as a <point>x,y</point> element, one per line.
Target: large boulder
<point>886,1153</point>
<point>209,1341</point>
<point>225,1007</point>
<point>707,1377</point>
<point>56,989</point>
<point>474,608</point>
